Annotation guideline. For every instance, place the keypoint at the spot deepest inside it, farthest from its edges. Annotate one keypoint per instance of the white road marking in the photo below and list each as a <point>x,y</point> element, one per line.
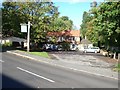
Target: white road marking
<point>97,74</point>
<point>1,61</point>
<point>35,74</point>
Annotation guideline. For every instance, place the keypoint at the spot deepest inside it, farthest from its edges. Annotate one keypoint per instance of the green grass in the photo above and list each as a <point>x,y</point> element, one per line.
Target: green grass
<point>42,54</point>
<point>117,67</point>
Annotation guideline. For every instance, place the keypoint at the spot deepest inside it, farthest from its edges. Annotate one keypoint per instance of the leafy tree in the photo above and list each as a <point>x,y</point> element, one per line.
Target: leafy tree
<point>107,23</point>
<point>61,24</point>
<point>10,19</point>
<point>85,21</point>
<point>104,25</point>
<point>40,14</point>
<point>68,23</point>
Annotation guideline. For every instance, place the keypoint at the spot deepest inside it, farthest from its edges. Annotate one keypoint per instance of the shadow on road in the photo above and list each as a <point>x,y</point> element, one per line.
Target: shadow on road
<point>10,83</point>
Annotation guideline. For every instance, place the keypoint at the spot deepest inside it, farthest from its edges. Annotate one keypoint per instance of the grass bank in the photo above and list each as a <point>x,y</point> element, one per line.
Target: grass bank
<point>117,67</point>
<point>41,54</point>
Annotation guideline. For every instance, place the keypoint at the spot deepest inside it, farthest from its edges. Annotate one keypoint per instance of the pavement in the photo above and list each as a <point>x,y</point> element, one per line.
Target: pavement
<point>85,64</point>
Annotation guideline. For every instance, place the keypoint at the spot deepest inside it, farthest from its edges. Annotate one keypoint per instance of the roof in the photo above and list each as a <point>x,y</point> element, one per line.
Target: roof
<point>85,41</point>
<point>75,33</point>
<point>16,39</point>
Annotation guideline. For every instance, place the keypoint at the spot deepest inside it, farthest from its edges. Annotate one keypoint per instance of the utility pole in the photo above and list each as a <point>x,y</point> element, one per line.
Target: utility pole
<point>28,37</point>
<point>26,28</point>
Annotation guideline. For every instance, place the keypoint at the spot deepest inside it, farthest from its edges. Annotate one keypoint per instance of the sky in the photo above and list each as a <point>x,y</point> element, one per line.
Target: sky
<point>74,9</point>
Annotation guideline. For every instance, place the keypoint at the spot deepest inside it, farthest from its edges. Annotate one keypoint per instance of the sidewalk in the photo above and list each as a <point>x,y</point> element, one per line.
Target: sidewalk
<point>79,66</point>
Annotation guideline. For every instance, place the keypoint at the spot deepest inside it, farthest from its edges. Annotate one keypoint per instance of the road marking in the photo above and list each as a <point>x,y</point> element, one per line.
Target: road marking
<point>35,74</point>
<point>1,61</point>
<point>97,74</point>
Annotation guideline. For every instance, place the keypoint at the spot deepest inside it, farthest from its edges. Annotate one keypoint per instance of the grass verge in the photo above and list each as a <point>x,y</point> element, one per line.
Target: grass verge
<point>117,67</point>
<point>42,54</point>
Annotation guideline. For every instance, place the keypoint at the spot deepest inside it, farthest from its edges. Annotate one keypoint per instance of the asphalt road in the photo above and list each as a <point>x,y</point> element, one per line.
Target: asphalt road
<point>18,72</point>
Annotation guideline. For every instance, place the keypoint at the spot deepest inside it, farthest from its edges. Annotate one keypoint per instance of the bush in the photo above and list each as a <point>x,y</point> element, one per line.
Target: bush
<point>7,44</point>
<point>117,67</point>
<point>66,46</point>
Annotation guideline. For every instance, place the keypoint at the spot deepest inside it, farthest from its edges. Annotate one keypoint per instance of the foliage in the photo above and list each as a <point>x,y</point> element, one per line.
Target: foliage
<point>61,24</point>
<point>85,22</point>
<point>42,15</point>
<point>117,67</point>
<point>102,24</point>
<point>65,46</point>
<point>7,44</point>
<point>10,17</point>
<point>68,23</point>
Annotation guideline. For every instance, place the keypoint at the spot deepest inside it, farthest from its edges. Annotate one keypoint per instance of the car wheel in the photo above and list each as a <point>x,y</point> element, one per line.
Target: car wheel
<point>95,51</point>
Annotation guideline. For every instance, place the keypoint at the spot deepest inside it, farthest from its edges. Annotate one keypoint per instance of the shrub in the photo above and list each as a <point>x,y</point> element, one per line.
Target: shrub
<point>66,46</point>
<point>7,44</point>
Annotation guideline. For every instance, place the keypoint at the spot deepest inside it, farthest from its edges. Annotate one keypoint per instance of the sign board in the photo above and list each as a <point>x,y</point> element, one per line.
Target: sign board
<point>23,27</point>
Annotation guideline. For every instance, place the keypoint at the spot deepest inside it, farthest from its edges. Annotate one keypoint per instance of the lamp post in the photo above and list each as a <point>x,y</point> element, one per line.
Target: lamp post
<point>25,29</point>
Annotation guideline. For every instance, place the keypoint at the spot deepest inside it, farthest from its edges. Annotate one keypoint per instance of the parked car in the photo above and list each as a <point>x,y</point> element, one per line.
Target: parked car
<point>50,47</point>
<point>73,47</point>
<point>92,49</point>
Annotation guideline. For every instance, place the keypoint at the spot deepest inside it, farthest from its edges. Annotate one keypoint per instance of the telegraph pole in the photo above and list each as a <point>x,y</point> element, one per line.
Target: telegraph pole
<point>28,37</point>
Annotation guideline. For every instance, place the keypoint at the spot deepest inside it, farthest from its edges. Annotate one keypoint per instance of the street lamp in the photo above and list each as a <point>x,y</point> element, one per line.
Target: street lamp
<point>25,29</point>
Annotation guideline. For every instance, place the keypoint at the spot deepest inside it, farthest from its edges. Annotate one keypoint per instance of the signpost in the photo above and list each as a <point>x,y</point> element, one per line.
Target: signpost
<point>24,29</point>
<point>28,37</point>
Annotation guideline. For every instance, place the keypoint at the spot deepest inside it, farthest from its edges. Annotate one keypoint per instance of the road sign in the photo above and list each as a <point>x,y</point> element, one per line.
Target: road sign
<point>23,27</point>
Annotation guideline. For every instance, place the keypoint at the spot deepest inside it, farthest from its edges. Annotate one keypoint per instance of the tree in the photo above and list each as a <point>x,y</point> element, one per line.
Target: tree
<point>107,23</point>
<point>68,23</point>
<point>85,21</point>
<point>40,14</point>
<point>10,19</point>
<point>104,25</point>
<point>61,24</point>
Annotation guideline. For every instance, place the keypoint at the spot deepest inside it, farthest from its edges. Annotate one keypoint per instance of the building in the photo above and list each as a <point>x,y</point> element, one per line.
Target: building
<point>72,36</point>
<point>12,40</point>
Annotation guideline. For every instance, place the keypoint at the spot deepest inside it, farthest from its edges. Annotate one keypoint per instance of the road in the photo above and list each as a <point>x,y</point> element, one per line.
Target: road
<point>18,72</point>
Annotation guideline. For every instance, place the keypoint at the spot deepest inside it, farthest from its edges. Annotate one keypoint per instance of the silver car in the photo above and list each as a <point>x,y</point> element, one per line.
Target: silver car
<point>92,49</point>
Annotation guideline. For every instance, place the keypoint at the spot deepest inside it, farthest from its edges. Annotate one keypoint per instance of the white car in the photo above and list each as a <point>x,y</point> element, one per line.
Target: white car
<point>92,49</point>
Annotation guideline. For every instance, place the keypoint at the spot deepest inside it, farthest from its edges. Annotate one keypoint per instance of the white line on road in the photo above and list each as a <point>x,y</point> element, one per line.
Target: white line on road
<point>1,61</point>
<point>97,74</point>
<point>35,74</point>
